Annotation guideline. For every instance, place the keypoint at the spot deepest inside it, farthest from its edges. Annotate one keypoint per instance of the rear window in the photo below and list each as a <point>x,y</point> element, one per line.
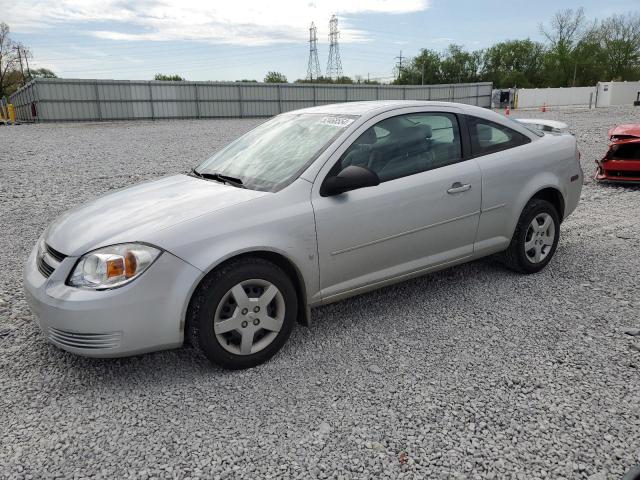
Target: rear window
<point>490,137</point>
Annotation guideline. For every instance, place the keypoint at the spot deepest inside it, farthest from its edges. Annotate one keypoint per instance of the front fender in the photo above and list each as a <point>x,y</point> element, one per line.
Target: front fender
<point>281,223</point>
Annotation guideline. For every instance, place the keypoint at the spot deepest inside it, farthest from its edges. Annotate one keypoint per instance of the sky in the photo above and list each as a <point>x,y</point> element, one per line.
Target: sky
<point>244,39</point>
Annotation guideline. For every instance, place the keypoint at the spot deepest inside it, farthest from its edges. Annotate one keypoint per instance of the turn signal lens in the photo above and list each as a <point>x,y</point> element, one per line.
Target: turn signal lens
<point>113,266</point>
<point>130,264</point>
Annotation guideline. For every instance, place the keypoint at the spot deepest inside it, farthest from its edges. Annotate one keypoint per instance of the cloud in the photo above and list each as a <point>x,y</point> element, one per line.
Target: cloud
<point>240,22</point>
<point>441,40</point>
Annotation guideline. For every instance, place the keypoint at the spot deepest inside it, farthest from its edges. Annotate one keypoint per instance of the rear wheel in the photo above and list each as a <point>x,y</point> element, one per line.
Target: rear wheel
<point>535,239</point>
<point>242,313</point>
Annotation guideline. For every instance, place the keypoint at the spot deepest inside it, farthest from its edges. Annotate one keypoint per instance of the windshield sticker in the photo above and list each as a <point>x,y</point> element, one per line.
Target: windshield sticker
<point>336,121</point>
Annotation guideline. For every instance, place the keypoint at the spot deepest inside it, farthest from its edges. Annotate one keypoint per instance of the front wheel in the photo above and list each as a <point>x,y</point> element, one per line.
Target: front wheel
<point>242,313</point>
<point>535,239</point>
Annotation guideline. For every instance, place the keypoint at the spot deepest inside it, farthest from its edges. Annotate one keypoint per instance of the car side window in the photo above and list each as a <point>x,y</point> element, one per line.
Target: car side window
<point>490,137</point>
<point>405,145</point>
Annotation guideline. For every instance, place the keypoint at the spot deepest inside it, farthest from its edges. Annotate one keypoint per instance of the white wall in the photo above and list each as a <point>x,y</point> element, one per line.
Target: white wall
<point>624,93</point>
<point>604,94</point>
<point>554,97</point>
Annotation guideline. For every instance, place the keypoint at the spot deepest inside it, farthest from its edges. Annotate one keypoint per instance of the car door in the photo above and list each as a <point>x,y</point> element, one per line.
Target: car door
<point>423,214</point>
<point>505,160</point>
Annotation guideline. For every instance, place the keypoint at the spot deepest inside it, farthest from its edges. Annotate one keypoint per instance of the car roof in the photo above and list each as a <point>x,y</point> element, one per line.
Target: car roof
<point>370,109</point>
<point>374,107</point>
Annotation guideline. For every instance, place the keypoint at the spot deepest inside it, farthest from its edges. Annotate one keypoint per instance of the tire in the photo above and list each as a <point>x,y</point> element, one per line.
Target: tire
<point>252,318</point>
<point>523,260</point>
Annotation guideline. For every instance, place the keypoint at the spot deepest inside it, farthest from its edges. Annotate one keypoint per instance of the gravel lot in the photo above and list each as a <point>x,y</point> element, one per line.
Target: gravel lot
<point>473,372</point>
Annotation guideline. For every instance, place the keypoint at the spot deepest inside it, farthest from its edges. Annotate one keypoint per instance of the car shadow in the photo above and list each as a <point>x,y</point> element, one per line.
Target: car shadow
<point>631,187</point>
<point>187,365</point>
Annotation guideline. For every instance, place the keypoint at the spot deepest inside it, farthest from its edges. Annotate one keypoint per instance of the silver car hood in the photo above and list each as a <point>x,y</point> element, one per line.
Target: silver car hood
<point>134,213</point>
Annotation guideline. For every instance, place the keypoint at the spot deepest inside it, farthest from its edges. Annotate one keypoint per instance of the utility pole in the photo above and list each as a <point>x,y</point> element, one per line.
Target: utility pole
<point>334,64</point>
<point>20,59</point>
<point>313,68</point>
<point>423,65</point>
<point>399,65</point>
<point>26,59</point>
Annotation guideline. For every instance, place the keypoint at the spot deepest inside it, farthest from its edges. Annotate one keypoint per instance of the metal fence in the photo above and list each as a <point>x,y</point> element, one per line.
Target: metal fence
<point>61,100</point>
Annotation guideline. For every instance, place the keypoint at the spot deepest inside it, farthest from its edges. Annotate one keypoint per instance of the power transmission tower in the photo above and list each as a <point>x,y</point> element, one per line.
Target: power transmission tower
<point>313,69</point>
<point>399,64</point>
<point>334,65</point>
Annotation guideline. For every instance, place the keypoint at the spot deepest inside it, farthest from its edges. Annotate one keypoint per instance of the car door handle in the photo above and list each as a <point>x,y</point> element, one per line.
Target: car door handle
<point>458,187</point>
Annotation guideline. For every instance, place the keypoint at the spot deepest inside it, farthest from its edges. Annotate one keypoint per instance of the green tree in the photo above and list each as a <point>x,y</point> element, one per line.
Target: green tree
<point>343,80</point>
<point>459,66</point>
<point>422,69</point>
<point>514,63</point>
<point>275,77</point>
<point>169,78</point>
<point>43,73</point>
<point>566,31</point>
<point>619,39</point>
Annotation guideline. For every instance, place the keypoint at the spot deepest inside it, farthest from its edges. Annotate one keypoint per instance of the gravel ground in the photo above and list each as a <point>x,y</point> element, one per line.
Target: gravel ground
<point>519,377</point>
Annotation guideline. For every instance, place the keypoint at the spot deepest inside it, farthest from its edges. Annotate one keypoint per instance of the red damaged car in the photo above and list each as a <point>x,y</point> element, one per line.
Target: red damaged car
<point>622,161</point>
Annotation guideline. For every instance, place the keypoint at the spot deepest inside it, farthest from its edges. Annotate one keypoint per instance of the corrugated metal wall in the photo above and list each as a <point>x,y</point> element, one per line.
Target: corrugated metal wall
<point>57,100</point>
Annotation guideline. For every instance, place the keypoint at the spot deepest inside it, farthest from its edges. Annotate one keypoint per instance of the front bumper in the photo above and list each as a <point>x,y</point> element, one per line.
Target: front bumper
<point>623,171</point>
<point>142,316</point>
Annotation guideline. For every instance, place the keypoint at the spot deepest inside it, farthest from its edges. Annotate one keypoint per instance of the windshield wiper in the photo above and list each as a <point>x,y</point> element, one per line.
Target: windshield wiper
<point>218,177</point>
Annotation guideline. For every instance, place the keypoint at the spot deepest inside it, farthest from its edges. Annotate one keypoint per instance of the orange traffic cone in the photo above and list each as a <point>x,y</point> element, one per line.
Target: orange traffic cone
<point>544,107</point>
<point>507,112</point>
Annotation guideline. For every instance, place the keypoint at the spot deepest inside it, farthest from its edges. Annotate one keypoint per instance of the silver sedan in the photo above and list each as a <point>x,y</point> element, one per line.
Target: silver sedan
<point>310,207</point>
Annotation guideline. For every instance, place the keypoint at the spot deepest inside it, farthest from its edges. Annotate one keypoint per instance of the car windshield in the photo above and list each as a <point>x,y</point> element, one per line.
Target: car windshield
<point>275,153</point>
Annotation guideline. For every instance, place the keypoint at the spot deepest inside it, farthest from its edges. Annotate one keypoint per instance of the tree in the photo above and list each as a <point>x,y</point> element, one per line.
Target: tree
<point>43,73</point>
<point>275,77</point>
<point>9,61</point>
<point>422,69</point>
<point>458,66</point>
<point>169,78</point>
<point>343,80</point>
<point>514,63</point>
<point>567,30</point>
<point>619,38</point>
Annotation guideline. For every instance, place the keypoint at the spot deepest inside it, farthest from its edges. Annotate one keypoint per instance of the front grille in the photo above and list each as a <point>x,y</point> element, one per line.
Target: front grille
<point>93,341</point>
<point>48,260</point>
<point>43,267</point>
<point>56,255</point>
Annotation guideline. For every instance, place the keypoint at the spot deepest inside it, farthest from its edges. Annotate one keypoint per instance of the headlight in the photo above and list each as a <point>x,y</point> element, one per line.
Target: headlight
<point>112,266</point>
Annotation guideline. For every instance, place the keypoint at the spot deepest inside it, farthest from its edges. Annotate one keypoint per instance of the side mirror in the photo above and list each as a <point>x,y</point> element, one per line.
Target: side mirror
<point>350,178</point>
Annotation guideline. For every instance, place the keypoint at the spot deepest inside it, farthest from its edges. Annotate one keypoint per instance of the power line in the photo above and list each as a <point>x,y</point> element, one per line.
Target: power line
<point>334,65</point>
<point>313,68</point>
